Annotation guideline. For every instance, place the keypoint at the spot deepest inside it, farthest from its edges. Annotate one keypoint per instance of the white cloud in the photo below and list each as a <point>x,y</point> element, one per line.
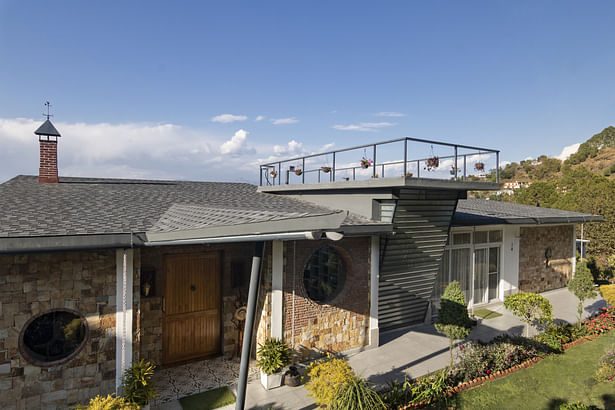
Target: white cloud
<point>363,126</point>
<point>226,118</point>
<point>259,118</point>
<point>283,121</point>
<point>292,148</point>
<point>568,151</point>
<point>237,144</point>
<point>390,114</point>
<point>327,147</point>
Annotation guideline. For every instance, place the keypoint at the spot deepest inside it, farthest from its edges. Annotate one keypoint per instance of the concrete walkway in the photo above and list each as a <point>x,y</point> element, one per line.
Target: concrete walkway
<point>414,352</point>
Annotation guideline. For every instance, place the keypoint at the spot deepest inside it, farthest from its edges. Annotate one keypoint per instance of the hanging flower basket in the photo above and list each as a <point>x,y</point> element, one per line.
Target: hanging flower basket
<point>432,163</point>
<point>273,174</point>
<point>326,170</point>
<point>298,171</point>
<point>479,166</point>
<point>454,171</point>
<point>365,163</point>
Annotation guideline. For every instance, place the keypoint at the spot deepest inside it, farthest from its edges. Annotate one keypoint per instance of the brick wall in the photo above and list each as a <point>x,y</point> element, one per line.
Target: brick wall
<point>340,325</point>
<point>48,171</point>
<point>534,275</point>
<point>34,283</point>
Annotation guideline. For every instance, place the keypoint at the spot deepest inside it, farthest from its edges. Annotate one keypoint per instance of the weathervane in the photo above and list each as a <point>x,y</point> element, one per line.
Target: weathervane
<point>48,105</point>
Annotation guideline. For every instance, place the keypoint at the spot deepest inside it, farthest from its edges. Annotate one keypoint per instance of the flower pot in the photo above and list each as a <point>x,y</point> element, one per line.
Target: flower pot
<point>298,172</point>
<point>292,377</point>
<point>326,170</point>
<point>271,381</point>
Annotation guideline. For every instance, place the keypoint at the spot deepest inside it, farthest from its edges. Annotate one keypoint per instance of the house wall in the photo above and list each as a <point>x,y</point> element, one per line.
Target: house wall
<point>151,315</point>
<point>534,274</point>
<point>343,324</point>
<point>34,283</point>
<point>509,277</point>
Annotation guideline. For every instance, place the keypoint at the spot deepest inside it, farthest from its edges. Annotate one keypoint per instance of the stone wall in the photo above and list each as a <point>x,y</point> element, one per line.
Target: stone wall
<point>534,273</point>
<point>35,283</point>
<point>340,325</point>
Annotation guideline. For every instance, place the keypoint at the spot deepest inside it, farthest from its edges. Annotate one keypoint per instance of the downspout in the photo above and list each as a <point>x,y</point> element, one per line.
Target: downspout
<point>255,276</point>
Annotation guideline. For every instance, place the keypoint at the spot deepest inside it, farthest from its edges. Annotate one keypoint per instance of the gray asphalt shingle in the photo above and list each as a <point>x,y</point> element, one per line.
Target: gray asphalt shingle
<point>100,206</point>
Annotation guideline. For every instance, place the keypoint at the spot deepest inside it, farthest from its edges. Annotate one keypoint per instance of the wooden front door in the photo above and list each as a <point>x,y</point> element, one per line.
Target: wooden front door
<point>191,324</point>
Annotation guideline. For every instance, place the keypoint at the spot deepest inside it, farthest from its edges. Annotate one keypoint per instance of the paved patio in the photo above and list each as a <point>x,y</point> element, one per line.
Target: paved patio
<point>413,352</point>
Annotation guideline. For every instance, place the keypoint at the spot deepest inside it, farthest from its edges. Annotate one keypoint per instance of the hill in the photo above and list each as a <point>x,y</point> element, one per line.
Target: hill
<point>591,147</point>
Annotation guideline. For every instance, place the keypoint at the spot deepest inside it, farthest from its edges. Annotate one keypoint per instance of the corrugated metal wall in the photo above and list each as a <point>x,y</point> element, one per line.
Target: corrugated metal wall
<point>411,257</point>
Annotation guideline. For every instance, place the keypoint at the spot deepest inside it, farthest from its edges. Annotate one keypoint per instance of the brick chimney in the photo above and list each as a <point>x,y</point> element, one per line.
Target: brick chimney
<point>48,140</point>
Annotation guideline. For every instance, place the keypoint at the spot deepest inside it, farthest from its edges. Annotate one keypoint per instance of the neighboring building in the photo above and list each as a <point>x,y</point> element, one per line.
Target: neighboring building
<point>97,273</point>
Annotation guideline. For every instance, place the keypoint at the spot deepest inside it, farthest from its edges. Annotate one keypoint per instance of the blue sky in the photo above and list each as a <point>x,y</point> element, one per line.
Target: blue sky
<point>156,89</point>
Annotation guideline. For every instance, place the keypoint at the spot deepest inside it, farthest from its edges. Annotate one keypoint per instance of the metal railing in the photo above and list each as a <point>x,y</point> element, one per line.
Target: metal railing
<point>279,172</point>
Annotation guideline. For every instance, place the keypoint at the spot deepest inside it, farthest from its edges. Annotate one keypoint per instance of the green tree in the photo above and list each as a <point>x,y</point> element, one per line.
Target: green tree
<point>582,286</point>
<point>530,308</point>
<point>453,320</point>
<point>540,193</point>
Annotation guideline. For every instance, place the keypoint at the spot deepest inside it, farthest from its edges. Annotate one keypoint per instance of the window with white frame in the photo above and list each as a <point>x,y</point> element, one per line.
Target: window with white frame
<point>473,259</point>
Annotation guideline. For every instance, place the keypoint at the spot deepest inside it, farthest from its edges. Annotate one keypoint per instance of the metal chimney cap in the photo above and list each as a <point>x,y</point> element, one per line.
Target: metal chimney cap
<point>47,129</point>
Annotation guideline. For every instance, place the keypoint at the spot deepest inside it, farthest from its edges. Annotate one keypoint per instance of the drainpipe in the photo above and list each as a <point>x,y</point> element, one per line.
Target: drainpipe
<point>255,277</point>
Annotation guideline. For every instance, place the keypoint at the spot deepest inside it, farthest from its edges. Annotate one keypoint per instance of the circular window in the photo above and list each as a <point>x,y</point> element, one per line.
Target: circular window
<point>324,275</point>
<point>53,337</point>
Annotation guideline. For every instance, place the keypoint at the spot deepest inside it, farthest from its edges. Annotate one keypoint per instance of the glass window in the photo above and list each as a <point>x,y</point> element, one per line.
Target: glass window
<point>462,238</point>
<point>52,337</point>
<point>481,237</point>
<point>495,236</point>
<point>461,270</point>
<point>324,275</point>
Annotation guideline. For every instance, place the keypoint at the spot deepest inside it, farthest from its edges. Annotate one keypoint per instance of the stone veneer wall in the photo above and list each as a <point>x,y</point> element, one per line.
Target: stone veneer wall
<point>34,283</point>
<point>534,275</point>
<point>339,326</point>
<point>151,315</point>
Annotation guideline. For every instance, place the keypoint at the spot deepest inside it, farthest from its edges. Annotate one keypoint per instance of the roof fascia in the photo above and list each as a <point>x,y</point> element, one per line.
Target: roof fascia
<point>68,242</point>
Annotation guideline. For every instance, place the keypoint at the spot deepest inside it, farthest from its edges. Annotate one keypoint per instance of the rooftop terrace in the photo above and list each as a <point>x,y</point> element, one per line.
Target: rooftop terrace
<point>403,157</point>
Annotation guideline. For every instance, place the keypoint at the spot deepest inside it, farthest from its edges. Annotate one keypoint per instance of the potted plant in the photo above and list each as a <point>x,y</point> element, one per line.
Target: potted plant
<point>273,356</point>
<point>325,169</point>
<point>432,163</point>
<point>365,163</point>
<point>479,166</point>
<point>292,377</point>
<point>298,171</point>
<point>273,173</point>
<point>138,384</point>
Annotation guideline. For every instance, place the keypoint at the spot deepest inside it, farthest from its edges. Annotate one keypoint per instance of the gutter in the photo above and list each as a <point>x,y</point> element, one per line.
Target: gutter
<point>283,236</point>
<point>69,242</point>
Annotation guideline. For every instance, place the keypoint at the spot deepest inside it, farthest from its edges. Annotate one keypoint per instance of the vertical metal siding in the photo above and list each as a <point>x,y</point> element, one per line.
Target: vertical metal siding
<point>411,258</point>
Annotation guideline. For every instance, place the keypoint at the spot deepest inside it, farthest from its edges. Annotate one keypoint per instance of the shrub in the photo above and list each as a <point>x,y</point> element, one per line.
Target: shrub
<point>557,335</point>
<point>608,293</point>
<point>111,402</point>
<point>356,394</point>
<point>582,286</point>
<point>325,376</point>
<point>602,322</point>
<point>606,371</point>
<point>530,308</point>
<point>138,385</point>
<point>478,359</point>
<point>453,320</point>
<point>398,394</point>
<point>273,355</point>
<point>577,405</point>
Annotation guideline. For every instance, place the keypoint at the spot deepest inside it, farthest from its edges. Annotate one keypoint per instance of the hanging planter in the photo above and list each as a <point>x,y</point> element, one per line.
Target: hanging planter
<point>432,163</point>
<point>326,170</point>
<point>454,171</point>
<point>365,163</point>
<point>479,166</point>
<point>273,174</point>
<point>298,171</point>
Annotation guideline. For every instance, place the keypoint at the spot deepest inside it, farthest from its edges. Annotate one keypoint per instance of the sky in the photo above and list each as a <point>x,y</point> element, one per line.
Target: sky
<point>205,90</point>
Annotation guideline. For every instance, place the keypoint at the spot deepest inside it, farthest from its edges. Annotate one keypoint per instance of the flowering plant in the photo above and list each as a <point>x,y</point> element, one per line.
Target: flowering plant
<point>273,173</point>
<point>454,171</point>
<point>365,163</point>
<point>479,166</point>
<point>602,322</point>
<point>432,163</point>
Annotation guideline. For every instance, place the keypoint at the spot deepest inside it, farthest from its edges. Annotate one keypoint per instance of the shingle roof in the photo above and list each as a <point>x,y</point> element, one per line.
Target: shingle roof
<point>102,206</point>
<point>485,212</point>
<point>47,128</point>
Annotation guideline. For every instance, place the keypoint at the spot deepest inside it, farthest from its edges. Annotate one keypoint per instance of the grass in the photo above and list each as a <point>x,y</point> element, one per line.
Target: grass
<point>211,399</point>
<point>558,379</point>
<point>486,313</point>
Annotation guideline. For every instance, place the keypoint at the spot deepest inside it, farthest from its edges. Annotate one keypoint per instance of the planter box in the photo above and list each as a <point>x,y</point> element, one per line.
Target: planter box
<point>271,381</point>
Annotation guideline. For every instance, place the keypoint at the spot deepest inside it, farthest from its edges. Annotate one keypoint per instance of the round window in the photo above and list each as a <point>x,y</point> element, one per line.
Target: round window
<point>53,337</point>
<point>324,275</point>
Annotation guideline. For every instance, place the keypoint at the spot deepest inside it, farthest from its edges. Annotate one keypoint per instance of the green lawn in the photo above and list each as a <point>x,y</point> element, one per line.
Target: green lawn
<point>211,399</point>
<point>555,380</point>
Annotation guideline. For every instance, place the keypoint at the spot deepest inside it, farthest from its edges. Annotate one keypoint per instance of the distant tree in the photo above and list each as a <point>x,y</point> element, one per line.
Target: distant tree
<point>590,148</point>
<point>540,193</point>
<point>529,308</point>
<point>582,286</point>
<point>453,320</point>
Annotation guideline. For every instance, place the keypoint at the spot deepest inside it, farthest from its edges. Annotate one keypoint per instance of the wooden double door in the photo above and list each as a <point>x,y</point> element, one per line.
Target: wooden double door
<point>191,307</point>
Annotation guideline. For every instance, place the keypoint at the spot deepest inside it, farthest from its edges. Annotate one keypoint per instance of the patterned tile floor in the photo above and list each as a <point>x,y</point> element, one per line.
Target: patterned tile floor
<point>176,382</point>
